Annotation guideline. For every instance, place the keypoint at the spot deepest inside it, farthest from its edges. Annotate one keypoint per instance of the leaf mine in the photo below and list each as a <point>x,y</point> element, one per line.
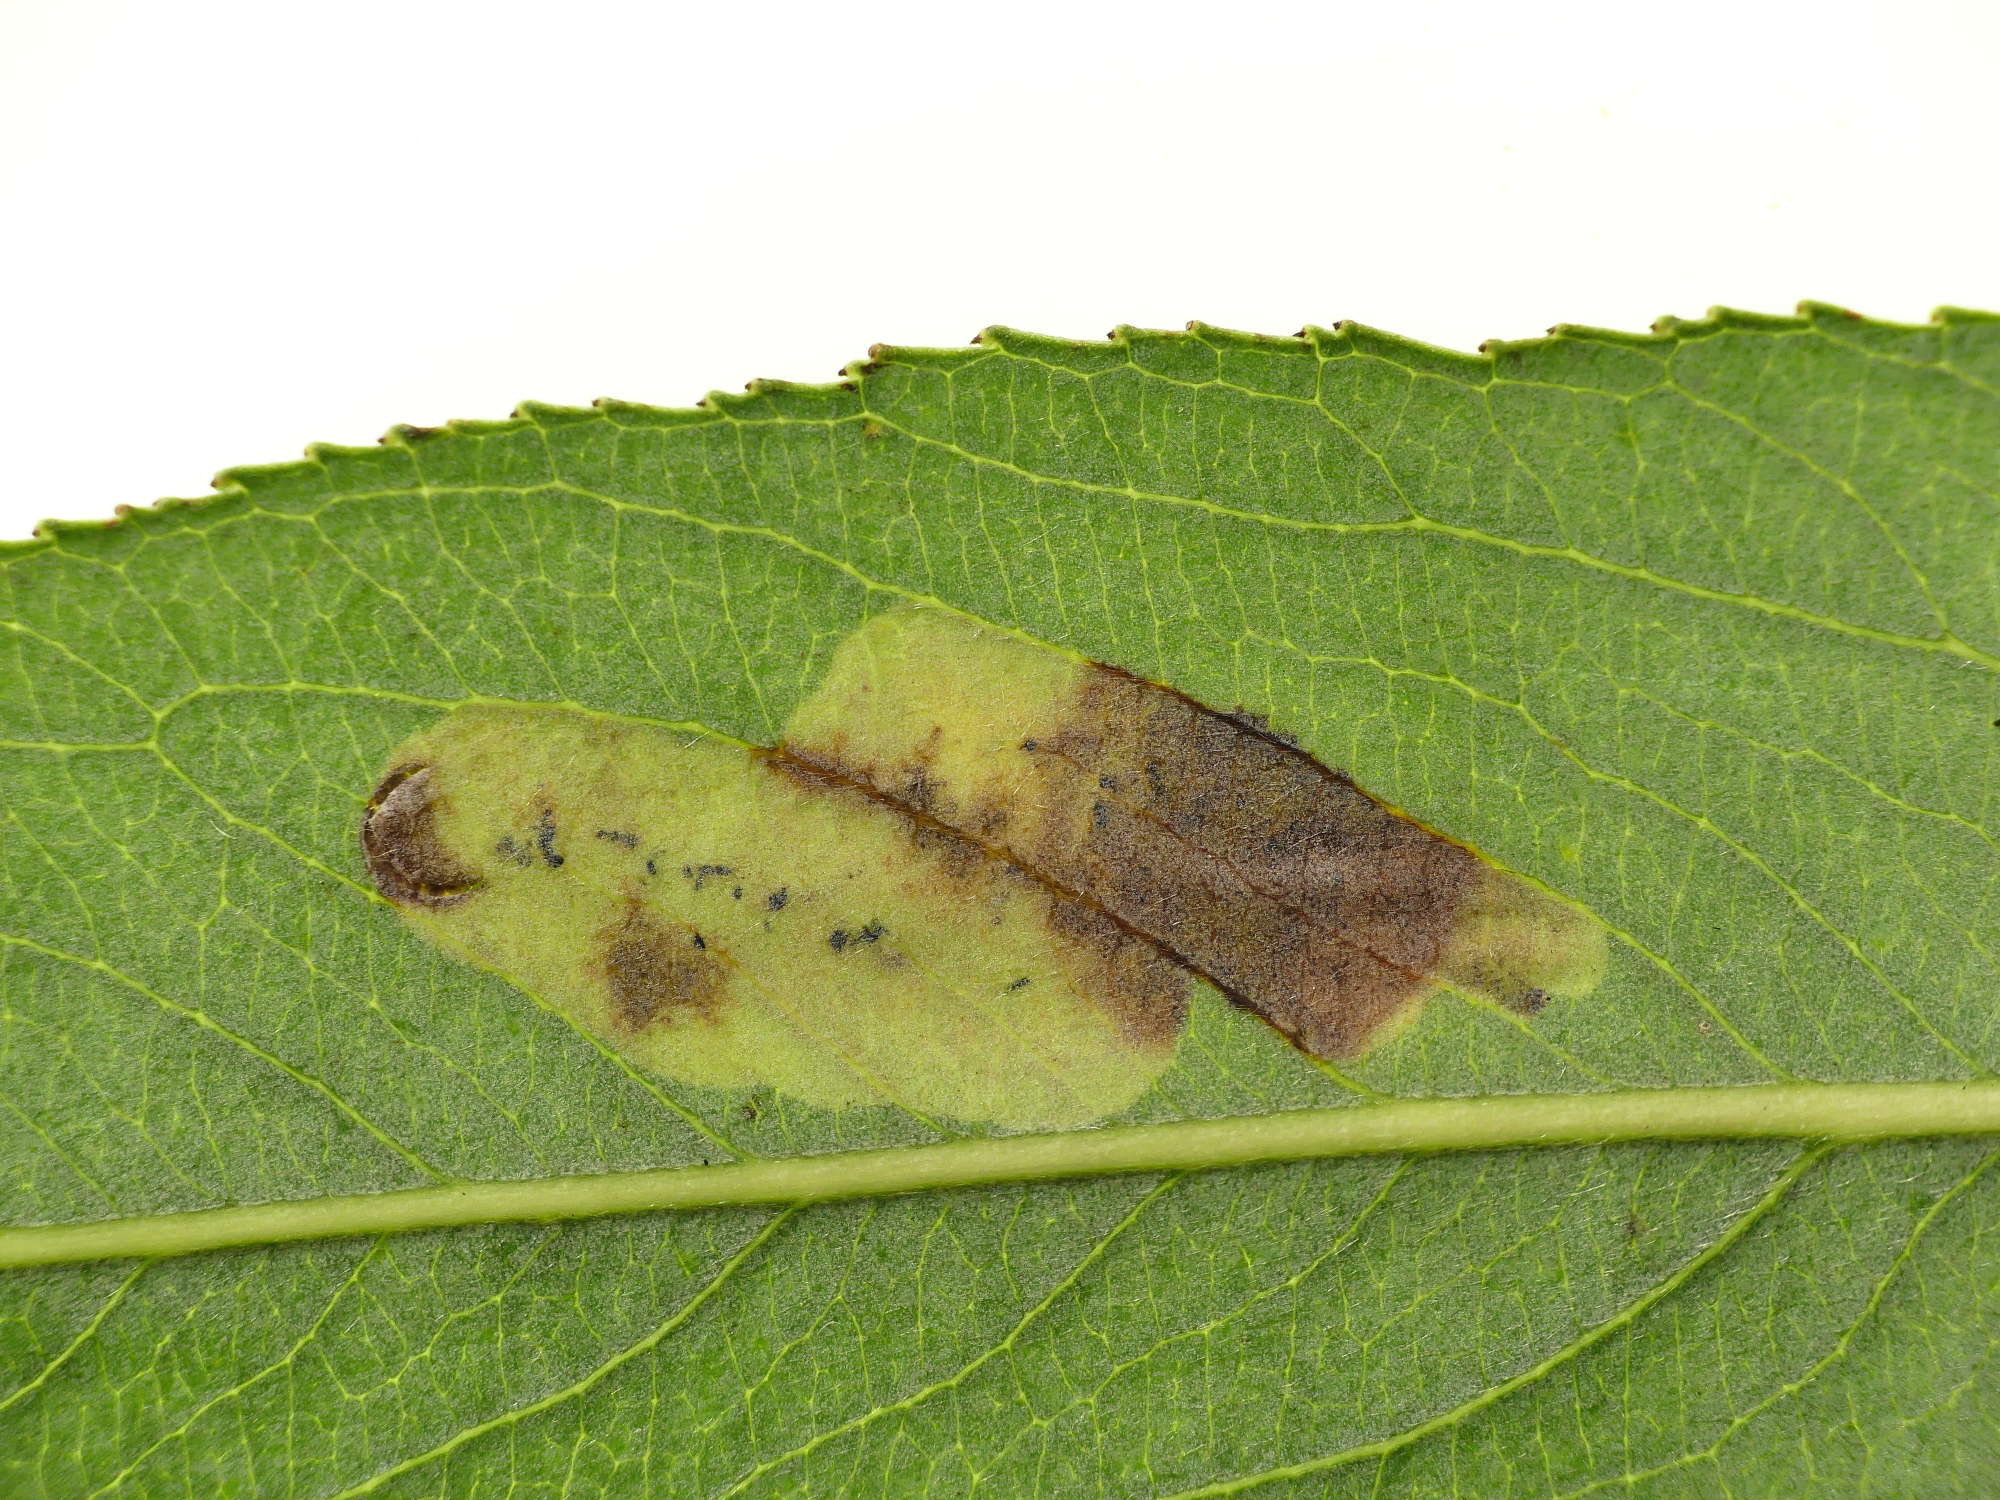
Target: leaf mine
<point>1230,849</point>
<point>768,926</point>
<point>974,880</point>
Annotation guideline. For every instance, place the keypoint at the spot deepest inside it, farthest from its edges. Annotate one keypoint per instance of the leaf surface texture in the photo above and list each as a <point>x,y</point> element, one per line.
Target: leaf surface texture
<point>1698,629</point>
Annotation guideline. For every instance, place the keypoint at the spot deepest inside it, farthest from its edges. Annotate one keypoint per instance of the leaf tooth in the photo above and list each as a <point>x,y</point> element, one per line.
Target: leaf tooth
<point>1419,357</point>
<point>1329,339</point>
<point>556,414</point>
<point>335,453</point>
<point>305,482</point>
<point>1590,333</point>
<point>1022,341</point>
<point>1237,338</point>
<point>1171,353</point>
<point>249,478</point>
<point>925,356</point>
<point>1819,312</point>
<point>1718,319</point>
<point>293,482</point>
<point>634,413</point>
<point>1834,313</point>
<point>1951,316</point>
<point>484,427</point>
<point>410,435</point>
<point>333,468</point>
<point>53,530</point>
<point>1745,319</point>
<point>1082,356</point>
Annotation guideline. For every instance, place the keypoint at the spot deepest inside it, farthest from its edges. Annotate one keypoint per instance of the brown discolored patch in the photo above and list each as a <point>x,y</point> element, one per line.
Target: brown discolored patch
<point>1275,878</point>
<point>658,972</point>
<point>399,840</point>
<point>1142,988</point>
<point>1205,840</point>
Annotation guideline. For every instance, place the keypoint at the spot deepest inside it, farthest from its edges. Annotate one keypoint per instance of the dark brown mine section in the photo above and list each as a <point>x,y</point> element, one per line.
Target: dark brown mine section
<point>1207,840</point>
<point>400,842</point>
<point>1275,878</point>
<point>658,972</point>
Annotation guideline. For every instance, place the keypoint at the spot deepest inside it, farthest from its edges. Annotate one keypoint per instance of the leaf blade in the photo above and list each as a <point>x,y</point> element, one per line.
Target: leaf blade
<point>1696,627</point>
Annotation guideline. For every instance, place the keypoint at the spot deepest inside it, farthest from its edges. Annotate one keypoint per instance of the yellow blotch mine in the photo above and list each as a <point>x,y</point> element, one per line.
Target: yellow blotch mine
<point>727,916</point>
<point>973,880</point>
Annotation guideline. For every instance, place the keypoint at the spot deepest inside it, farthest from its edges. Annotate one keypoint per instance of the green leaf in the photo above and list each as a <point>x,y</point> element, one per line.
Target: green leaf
<point>1697,631</point>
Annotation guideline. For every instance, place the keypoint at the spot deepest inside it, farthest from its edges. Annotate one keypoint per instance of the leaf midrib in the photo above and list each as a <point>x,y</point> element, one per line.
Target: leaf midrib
<point>1849,1113</point>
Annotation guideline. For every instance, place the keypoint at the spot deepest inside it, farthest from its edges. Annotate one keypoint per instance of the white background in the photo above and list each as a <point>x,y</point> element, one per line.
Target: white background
<point>229,230</point>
